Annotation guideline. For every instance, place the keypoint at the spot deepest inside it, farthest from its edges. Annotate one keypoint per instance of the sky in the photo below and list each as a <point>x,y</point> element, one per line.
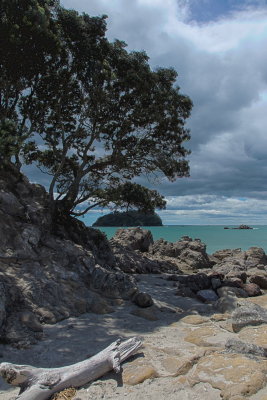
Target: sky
<point>218,48</point>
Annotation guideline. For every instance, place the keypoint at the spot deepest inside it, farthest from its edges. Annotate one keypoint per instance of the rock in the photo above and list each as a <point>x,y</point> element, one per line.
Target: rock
<point>134,238</point>
<point>112,284</point>
<point>184,291</point>
<point>255,335</point>
<point>227,303</point>
<point>207,295</point>
<point>46,316</point>
<point>177,366</point>
<point>220,255</point>
<point>100,306</point>
<point>232,291</point>
<point>143,300</point>
<point>190,253</point>
<point>252,289</point>
<point>195,282</point>
<point>49,271</point>
<point>247,315</point>
<point>260,300</point>
<point>203,336</point>
<point>10,204</point>
<point>18,334</point>
<point>255,256</point>
<point>232,275</point>
<point>237,346</point>
<point>234,282</point>
<point>149,313</point>
<point>230,269</point>
<point>137,373</point>
<point>3,302</point>
<point>194,319</point>
<point>216,283</point>
<point>30,320</point>
<point>234,375</point>
<point>259,279</point>
<point>135,262</point>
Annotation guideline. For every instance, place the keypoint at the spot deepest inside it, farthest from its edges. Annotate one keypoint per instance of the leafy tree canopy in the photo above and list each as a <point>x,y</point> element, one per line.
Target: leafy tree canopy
<point>84,109</point>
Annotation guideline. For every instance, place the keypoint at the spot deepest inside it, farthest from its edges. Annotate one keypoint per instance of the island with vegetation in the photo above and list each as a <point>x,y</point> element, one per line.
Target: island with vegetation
<point>129,218</point>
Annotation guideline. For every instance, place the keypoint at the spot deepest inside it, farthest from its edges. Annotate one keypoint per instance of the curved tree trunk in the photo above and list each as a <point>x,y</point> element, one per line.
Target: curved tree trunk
<point>42,383</point>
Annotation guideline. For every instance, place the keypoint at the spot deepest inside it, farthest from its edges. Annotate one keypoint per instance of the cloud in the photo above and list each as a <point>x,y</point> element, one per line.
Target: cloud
<point>222,66</point>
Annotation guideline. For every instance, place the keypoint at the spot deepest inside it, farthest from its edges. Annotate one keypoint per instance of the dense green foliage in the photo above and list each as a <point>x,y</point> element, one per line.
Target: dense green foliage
<point>85,110</point>
<point>129,218</point>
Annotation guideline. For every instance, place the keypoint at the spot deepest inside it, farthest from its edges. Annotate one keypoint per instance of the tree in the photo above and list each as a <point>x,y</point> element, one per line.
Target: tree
<point>102,115</point>
<point>28,43</point>
<point>127,195</point>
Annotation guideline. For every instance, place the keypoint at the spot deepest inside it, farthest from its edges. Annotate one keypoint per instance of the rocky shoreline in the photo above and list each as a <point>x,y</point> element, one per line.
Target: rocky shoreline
<point>200,316</point>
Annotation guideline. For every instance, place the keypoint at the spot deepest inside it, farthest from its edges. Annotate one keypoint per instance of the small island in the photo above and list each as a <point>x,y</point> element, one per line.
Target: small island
<point>239,227</point>
<point>129,218</point>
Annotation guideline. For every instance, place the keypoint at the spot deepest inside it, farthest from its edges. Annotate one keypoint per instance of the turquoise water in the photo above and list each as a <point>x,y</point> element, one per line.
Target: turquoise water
<point>214,236</point>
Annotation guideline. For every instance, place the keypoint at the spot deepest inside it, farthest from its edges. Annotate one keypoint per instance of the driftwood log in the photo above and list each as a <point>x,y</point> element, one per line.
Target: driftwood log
<point>42,383</point>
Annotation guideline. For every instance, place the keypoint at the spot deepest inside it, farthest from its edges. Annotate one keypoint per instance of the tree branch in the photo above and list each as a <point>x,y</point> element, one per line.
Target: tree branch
<point>42,383</point>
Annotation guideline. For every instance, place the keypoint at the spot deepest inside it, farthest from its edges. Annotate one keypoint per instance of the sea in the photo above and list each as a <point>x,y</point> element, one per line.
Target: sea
<point>214,236</point>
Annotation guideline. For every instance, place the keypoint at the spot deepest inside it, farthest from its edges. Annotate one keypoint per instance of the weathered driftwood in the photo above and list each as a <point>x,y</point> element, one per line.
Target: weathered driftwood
<point>41,383</point>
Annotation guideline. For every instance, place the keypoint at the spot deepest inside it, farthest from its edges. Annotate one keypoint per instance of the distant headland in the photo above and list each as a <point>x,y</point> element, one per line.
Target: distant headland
<point>129,218</point>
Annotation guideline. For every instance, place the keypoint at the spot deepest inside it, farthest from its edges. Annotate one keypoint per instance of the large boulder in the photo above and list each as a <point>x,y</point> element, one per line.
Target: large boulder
<point>134,239</point>
<point>194,282</point>
<point>255,256</point>
<point>248,314</point>
<point>190,254</point>
<point>135,262</point>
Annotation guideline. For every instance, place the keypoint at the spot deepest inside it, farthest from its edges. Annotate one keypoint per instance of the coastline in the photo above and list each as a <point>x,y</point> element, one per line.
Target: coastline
<point>214,236</point>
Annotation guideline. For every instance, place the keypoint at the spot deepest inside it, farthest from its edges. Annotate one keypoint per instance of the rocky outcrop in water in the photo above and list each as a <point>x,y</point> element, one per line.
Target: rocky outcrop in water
<point>129,218</point>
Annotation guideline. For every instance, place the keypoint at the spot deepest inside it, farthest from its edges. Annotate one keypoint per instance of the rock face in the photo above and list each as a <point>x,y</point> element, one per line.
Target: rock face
<point>190,254</point>
<point>247,315</point>
<point>48,270</point>
<point>129,218</point>
<point>134,239</point>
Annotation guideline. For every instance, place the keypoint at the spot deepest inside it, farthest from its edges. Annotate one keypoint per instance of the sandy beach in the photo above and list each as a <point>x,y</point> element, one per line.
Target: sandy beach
<point>163,368</point>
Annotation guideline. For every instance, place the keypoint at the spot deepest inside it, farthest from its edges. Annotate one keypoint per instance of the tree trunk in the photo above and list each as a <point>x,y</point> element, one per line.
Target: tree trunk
<point>42,383</point>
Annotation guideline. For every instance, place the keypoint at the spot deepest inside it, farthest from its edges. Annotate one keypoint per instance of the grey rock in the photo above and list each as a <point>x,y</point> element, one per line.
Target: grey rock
<point>255,256</point>
<point>237,346</point>
<point>112,284</point>
<point>260,279</point>
<point>30,320</point>
<point>195,282</point>
<point>184,291</point>
<point>226,304</point>
<point>143,300</point>
<point>190,253</point>
<point>3,302</point>
<point>136,262</point>
<point>248,315</point>
<point>134,238</point>
<point>232,291</point>
<point>10,204</point>
<point>207,295</point>
<point>220,255</point>
<point>216,283</point>
<point>252,289</point>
